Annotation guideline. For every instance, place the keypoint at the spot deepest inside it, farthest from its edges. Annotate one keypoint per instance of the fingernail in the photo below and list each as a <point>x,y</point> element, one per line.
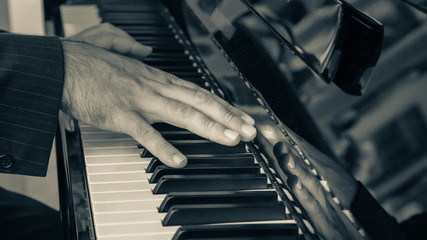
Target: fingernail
<point>149,49</point>
<point>291,162</point>
<point>179,159</point>
<point>248,130</point>
<point>248,119</point>
<point>299,185</point>
<point>231,134</point>
<point>145,50</point>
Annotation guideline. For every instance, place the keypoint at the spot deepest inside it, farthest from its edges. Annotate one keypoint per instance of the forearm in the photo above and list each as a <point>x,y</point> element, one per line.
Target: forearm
<point>31,84</point>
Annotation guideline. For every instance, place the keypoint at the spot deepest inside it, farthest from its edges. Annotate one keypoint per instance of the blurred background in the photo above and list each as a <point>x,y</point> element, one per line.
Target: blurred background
<point>381,136</point>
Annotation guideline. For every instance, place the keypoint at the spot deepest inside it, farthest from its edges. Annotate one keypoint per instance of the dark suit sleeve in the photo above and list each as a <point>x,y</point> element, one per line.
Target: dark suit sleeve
<point>31,83</point>
<point>373,218</point>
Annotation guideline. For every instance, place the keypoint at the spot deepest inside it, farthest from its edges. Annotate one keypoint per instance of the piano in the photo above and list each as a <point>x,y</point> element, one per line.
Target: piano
<point>113,188</point>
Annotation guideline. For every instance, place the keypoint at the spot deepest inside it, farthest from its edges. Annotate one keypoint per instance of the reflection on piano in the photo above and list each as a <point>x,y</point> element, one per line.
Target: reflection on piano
<point>115,189</point>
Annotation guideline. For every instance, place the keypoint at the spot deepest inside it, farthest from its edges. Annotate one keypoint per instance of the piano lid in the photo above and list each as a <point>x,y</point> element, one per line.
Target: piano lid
<point>331,37</point>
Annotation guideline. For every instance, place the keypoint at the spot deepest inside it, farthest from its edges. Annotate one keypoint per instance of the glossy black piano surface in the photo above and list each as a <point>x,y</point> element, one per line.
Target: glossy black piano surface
<point>257,59</point>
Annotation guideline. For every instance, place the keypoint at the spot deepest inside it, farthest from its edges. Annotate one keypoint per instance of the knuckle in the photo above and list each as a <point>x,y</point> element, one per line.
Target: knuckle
<point>201,96</point>
<point>189,84</point>
<point>148,70</point>
<point>163,147</point>
<point>148,133</point>
<point>318,191</point>
<point>298,170</point>
<point>229,117</point>
<point>171,79</point>
<point>308,199</point>
<point>208,124</point>
<point>302,175</point>
<point>163,105</point>
<point>316,207</point>
<point>184,110</point>
<point>107,25</point>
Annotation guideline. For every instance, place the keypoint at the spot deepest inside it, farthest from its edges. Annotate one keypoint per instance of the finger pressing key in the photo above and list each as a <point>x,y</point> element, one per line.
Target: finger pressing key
<point>153,141</point>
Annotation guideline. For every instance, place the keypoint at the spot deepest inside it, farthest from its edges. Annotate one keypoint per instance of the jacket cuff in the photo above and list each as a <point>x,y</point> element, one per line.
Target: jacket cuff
<point>31,84</point>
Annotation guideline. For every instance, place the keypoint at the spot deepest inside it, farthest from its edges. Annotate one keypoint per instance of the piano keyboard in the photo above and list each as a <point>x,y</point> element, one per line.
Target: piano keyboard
<point>222,194</point>
<point>134,197</point>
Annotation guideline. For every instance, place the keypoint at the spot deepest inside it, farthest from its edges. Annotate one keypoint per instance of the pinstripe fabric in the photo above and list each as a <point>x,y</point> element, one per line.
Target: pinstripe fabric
<point>31,83</point>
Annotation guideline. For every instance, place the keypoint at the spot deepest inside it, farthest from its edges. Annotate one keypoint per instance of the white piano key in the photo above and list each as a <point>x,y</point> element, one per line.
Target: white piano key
<point>141,229</point>
<point>127,217</point>
<point>85,128</point>
<point>117,177</point>
<point>137,166</point>
<point>142,204</point>
<point>114,143</point>
<point>149,230</point>
<point>102,135</point>
<point>124,186</point>
<point>115,159</point>
<point>121,196</point>
<point>112,151</point>
<point>153,236</point>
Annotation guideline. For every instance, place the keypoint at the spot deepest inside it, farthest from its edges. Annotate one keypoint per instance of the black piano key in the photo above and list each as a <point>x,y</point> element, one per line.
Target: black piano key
<point>166,39</point>
<point>177,135</point>
<point>144,30</point>
<point>178,61</point>
<point>189,147</point>
<point>173,68</point>
<point>168,55</point>
<point>223,213</point>
<point>183,62</point>
<point>129,1</point>
<point>222,182</point>
<point>136,31</point>
<point>165,48</point>
<point>154,163</point>
<point>164,44</point>
<point>187,198</point>
<point>130,22</point>
<point>134,18</point>
<point>164,170</point>
<point>158,42</point>
<point>272,231</point>
<point>224,160</point>
<point>180,135</point>
<point>129,7</point>
<point>166,127</point>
